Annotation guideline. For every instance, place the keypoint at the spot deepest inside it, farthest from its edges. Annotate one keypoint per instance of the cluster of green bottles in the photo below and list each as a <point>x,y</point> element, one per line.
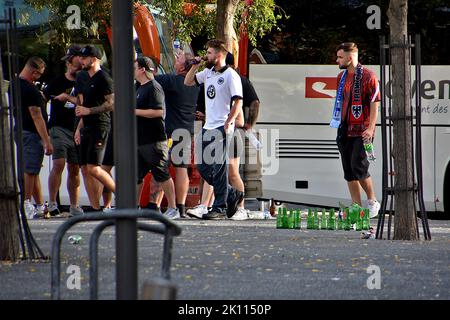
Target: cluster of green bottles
<point>345,219</point>
<point>291,220</point>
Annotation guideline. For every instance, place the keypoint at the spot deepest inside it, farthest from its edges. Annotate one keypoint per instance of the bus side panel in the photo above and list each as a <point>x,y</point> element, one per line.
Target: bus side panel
<point>442,164</point>
<point>297,100</point>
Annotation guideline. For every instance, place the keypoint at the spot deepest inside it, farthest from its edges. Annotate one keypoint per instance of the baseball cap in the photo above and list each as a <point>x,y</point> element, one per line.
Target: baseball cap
<point>146,63</point>
<point>90,51</point>
<point>73,50</point>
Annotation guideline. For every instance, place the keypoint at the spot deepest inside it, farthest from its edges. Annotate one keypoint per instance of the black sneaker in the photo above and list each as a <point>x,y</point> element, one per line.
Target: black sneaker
<point>214,214</point>
<point>53,210</point>
<point>184,216</point>
<point>233,201</point>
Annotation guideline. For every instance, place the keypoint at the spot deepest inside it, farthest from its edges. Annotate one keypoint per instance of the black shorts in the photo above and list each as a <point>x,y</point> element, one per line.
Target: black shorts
<point>236,144</point>
<point>93,145</point>
<point>180,152</point>
<point>108,159</point>
<point>354,159</point>
<point>154,157</point>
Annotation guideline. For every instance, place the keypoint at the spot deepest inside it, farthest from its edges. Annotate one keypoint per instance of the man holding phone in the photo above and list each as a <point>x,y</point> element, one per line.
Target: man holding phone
<point>61,128</point>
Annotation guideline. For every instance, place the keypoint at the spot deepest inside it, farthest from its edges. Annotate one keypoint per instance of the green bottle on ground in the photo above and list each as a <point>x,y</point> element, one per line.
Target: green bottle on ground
<point>316,220</point>
<point>354,212</point>
<point>291,219</point>
<point>298,219</point>
<point>323,221</point>
<point>359,220</point>
<point>347,223</point>
<point>285,219</point>
<point>279,219</point>
<point>309,219</point>
<point>366,220</point>
<point>331,220</point>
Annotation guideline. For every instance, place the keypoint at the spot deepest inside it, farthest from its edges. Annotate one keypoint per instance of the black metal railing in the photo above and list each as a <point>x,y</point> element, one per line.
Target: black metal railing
<point>388,179</point>
<point>167,228</point>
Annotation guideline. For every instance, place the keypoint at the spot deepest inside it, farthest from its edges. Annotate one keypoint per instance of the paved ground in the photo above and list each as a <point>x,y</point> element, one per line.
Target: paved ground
<point>252,260</point>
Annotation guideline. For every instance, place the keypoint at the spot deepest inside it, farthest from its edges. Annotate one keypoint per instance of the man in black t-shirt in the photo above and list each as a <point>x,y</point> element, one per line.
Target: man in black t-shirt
<point>61,129</point>
<point>151,136</point>
<point>35,138</point>
<point>180,115</point>
<point>93,128</point>
<point>92,185</point>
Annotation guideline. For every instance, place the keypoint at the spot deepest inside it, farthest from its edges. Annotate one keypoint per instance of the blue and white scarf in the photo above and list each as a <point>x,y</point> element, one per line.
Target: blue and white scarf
<point>336,120</point>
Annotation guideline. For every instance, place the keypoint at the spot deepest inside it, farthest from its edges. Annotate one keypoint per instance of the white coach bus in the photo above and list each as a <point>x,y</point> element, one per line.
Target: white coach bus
<point>297,100</point>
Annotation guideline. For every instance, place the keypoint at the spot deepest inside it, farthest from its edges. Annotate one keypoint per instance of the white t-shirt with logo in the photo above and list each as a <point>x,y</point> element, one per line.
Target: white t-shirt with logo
<point>221,88</point>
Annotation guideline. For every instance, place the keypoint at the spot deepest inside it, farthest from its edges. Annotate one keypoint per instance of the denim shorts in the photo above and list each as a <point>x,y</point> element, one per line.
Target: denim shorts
<point>33,152</point>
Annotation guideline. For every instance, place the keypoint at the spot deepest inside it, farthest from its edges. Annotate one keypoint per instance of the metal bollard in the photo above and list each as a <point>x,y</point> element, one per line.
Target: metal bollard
<point>159,289</point>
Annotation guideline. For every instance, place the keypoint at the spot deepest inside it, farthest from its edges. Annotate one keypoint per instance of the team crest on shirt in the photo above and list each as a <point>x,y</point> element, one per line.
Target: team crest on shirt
<point>221,80</point>
<point>211,92</point>
<point>357,111</point>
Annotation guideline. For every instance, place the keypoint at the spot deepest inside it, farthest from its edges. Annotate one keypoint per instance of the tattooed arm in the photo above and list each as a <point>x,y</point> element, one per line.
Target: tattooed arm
<point>108,105</point>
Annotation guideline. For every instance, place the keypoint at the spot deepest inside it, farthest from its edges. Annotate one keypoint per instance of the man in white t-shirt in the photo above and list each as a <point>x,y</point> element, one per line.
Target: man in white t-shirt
<point>223,100</point>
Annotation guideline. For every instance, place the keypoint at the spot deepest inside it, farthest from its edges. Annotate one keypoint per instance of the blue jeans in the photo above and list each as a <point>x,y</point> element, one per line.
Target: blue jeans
<point>213,166</point>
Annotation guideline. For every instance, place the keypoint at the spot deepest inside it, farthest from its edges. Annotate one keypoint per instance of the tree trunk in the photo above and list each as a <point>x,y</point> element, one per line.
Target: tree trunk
<point>9,229</point>
<point>405,223</point>
<point>226,9</point>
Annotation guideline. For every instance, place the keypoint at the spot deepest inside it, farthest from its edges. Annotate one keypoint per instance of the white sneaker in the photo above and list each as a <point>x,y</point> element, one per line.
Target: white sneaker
<point>108,210</point>
<point>30,210</point>
<point>197,212</point>
<point>172,213</point>
<point>241,214</point>
<point>75,211</point>
<point>40,211</point>
<point>374,207</point>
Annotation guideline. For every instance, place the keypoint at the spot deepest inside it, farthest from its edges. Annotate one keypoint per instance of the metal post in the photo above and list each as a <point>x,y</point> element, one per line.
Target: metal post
<point>124,148</point>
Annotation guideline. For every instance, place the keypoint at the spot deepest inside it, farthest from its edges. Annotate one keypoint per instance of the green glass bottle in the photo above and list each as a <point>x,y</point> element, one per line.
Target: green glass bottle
<point>279,219</point>
<point>359,220</point>
<point>298,219</point>
<point>323,221</point>
<point>331,220</point>
<point>316,220</point>
<point>354,212</point>
<point>291,219</point>
<point>366,220</point>
<point>347,223</point>
<point>309,220</point>
<point>285,219</point>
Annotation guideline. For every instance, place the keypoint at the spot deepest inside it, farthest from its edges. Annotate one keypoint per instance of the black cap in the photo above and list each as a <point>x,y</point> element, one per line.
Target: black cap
<point>229,60</point>
<point>91,51</point>
<point>146,63</point>
<point>72,51</point>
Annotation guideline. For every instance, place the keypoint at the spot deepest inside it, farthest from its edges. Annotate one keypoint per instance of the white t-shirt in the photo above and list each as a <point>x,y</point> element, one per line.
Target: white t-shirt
<point>221,88</point>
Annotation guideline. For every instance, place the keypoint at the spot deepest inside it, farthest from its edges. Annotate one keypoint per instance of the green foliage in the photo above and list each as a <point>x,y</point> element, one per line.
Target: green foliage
<point>93,15</point>
<point>261,19</point>
<point>183,27</point>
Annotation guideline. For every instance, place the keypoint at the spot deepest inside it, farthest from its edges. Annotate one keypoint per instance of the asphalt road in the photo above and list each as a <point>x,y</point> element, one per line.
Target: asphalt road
<point>251,260</point>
